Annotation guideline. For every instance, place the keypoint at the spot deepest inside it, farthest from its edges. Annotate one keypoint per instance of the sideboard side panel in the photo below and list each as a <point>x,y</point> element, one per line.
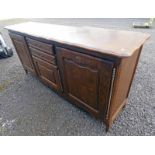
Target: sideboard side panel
<point>123,80</point>
<point>23,52</point>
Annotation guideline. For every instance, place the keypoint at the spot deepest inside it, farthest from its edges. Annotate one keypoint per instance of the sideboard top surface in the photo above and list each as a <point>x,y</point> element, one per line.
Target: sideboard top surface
<point>108,41</point>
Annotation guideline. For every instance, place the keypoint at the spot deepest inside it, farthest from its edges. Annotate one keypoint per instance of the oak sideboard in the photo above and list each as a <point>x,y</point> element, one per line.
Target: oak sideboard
<point>91,67</point>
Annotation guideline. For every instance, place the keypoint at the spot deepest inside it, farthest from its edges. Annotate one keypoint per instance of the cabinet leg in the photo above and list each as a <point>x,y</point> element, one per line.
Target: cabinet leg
<point>108,125</point>
<point>124,106</point>
<point>125,103</point>
<point>26,71</point>
<point>107,128</point>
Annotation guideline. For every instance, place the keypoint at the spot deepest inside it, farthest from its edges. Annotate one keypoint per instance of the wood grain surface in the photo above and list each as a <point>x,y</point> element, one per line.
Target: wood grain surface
<point>108,41</point>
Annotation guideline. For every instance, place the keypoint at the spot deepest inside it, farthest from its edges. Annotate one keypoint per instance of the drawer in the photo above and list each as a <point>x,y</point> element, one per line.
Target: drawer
<point>48,73</point>
<point>48,48</point>
<point>42,55</point>
<point>44,63</point>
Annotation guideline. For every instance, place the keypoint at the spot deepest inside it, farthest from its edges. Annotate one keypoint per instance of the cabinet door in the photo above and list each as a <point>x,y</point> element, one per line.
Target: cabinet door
<point>23,52</point>
<point>48,73</point>
<point>86,80</point>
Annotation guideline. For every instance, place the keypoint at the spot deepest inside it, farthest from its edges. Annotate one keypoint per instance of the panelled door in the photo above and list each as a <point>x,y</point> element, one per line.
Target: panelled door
<point>22,51</point>
<point>86,79</point>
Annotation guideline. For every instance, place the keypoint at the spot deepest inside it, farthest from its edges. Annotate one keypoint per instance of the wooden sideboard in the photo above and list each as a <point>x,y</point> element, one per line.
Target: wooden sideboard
<point>91,67</point>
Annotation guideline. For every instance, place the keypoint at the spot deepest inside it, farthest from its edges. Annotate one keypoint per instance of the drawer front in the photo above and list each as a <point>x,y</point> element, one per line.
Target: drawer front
<point>42,55</point>
<point>48,73</point>
<point>48,48</point>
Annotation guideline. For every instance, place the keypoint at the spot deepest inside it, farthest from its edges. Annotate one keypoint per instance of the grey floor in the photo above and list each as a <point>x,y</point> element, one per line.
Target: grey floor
<point>27,107</point>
